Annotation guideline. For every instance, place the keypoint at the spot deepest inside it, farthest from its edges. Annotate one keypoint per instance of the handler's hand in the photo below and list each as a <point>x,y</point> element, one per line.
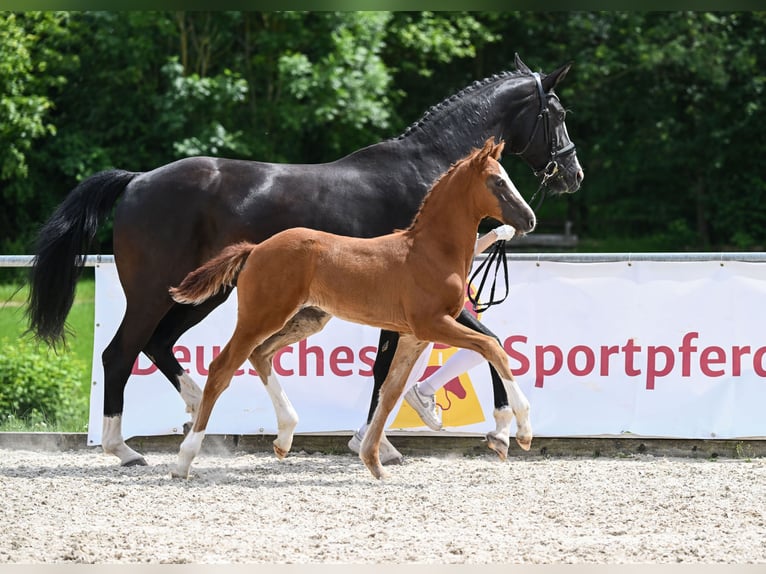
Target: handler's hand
<point>504,232</point>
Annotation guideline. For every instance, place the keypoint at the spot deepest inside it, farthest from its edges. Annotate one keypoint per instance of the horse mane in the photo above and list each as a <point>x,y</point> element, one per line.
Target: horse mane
<point>447,174</point>
<point>468,90</point>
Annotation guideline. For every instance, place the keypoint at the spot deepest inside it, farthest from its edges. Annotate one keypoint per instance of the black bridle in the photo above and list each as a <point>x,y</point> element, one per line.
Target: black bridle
<point>551,168</point>
<point>497,253</point>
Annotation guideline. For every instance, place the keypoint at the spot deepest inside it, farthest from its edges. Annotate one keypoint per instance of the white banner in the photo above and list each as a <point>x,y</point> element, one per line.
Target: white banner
<point>660,349</point>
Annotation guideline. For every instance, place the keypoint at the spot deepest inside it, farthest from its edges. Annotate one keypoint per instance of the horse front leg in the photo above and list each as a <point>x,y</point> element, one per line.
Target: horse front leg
<point>303,324</point>
<point>408,350</point>
<point>448,331</point>
<point>498,440</point>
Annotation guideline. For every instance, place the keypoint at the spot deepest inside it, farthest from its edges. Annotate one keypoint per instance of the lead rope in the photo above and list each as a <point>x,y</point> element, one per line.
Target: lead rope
<point>498,256</point>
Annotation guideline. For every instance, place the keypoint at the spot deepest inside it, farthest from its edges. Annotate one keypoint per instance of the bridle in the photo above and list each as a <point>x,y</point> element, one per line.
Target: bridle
<point>551,169</point>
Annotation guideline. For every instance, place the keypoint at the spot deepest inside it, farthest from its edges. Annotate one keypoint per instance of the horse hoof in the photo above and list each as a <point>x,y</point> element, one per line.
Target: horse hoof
<point>187,427</point>
<point>140,461</point>
<point>525,442</point>
<point>176,475</point>
<point>378,472</point>
<point>280,452</point>
<point>392,461</point>
<point>499,445</point>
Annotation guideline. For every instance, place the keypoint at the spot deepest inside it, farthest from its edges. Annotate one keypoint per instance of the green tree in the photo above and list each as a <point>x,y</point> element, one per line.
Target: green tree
<point>32,71</point>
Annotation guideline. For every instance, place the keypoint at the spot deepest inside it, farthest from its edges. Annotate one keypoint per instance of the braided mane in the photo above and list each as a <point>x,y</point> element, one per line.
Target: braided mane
<point>436,108</point>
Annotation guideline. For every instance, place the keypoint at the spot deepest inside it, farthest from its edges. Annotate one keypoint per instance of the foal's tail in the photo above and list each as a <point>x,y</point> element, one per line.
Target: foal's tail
<point>221,271</point>
<point>60,251</point>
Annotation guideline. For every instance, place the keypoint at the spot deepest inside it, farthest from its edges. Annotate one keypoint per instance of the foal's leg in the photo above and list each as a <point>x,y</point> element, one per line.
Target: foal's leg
<point>407,352</point>
<point>222,370</point>
<point>304,323</point>
<point>448,331</point>
<point>498,439</point>
<point>386,348</point>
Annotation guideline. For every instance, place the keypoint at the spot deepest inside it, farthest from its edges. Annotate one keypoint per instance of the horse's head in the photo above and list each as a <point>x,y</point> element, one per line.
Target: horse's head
<point>498,197</point>
<point>546,147</point>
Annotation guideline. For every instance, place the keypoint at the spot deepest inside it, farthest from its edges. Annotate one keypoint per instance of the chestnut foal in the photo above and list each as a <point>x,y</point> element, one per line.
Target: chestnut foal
<point>411,281</point>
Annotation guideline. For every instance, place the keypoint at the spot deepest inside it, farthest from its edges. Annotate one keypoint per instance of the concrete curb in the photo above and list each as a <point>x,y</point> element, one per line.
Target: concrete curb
<point>422,443</point>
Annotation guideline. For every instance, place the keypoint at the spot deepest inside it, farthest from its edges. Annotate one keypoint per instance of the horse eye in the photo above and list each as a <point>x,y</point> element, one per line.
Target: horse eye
<point>500,182</point>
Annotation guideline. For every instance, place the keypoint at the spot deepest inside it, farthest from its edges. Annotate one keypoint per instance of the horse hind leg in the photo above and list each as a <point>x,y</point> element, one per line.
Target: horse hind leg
<point>306,322</point>
<point>159,349</point>
<point>408,350</point>
<point>222,370</point>
<point>118,358</point>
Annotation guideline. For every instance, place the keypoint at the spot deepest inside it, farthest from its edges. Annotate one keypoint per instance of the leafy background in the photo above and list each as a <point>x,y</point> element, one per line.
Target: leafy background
<point>666,108</point>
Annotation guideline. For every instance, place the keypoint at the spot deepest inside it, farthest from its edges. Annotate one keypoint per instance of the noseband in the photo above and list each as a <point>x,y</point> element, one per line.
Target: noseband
<point>551,168</point>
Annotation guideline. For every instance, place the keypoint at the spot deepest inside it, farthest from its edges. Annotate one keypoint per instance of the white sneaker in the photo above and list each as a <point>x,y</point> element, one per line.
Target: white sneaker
<point>387,452</point>
<point>425,406</point>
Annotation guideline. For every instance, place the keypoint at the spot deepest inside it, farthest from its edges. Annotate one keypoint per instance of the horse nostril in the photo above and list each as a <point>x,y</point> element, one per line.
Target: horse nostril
<point>580,176</point>
<point>531,224</point>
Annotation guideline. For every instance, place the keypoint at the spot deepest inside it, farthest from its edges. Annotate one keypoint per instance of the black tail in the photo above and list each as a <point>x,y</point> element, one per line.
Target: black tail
<point>60,251</point>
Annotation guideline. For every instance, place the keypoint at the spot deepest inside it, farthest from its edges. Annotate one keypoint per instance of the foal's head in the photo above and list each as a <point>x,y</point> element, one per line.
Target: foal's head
<point>494,192</point>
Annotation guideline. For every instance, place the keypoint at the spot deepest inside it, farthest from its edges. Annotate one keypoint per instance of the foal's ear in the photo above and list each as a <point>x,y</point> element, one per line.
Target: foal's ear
<point>521,66</point>
<point>552,80</point>
<point>498,150</point>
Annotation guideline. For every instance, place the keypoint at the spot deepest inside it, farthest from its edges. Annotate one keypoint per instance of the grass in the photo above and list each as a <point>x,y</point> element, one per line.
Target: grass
<point>13,326</point>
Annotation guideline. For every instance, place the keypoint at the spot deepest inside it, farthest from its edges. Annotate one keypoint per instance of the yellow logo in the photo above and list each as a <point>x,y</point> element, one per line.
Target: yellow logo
<point>458,400</point>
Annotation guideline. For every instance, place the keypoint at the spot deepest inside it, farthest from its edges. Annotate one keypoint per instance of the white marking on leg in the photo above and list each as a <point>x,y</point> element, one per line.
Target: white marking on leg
<point>503,419</point>
<point>113,443</point>
<point>520,407</point>
<point>191,393</point>
<point>287,418</point>
<point>190,448</point>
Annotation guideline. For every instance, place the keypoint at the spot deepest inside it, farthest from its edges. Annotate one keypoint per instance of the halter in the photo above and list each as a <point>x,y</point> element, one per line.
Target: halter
<point>497,254</point>
<point>551,169</point>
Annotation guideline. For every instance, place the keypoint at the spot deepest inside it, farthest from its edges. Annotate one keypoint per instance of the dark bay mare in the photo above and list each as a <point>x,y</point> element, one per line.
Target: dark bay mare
<point>412,282</point>
<point>174,218</point>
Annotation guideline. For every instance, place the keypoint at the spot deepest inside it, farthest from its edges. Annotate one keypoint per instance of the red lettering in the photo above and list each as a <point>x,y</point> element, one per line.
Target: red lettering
<point>276,364</point>
<point>630,349</point>
<point>736,357</point>
<point>303,351</point>
<point>199,362</point>
<point>341,356</point>
<point>686,349</point>
<point>141,371</point>
<point>367,356</point>
<point>607,352</point>
<point>541,371</point>
<point>712,356</point>
<point>515,355</point>
<point>590,360</point>
<point>758,366</point>
<point>651,364</point>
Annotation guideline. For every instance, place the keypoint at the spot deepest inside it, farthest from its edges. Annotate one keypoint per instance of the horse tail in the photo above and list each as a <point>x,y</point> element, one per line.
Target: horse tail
<point>61,246</point>
<point>221,271</point>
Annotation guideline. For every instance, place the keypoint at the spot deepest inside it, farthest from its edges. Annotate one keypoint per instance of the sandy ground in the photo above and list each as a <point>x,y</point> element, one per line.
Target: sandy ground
<point>79,507</point>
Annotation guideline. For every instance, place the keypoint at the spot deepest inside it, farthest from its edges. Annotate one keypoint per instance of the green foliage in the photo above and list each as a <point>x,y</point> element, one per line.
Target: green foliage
<point>38,385</point>
<point>666,108</point>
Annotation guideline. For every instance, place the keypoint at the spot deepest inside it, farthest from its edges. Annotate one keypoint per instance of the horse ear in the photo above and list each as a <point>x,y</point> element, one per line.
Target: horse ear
<point>488,148</point>
<point>552,80</point>
<point>498,150</point>
<point>521,66</point>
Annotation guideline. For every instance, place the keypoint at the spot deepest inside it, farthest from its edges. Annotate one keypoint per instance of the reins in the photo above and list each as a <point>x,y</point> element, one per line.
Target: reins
<point>497,256</point>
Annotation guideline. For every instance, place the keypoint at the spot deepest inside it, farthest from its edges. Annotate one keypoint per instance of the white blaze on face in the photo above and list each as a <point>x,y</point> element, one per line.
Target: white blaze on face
<point>513,191</point>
